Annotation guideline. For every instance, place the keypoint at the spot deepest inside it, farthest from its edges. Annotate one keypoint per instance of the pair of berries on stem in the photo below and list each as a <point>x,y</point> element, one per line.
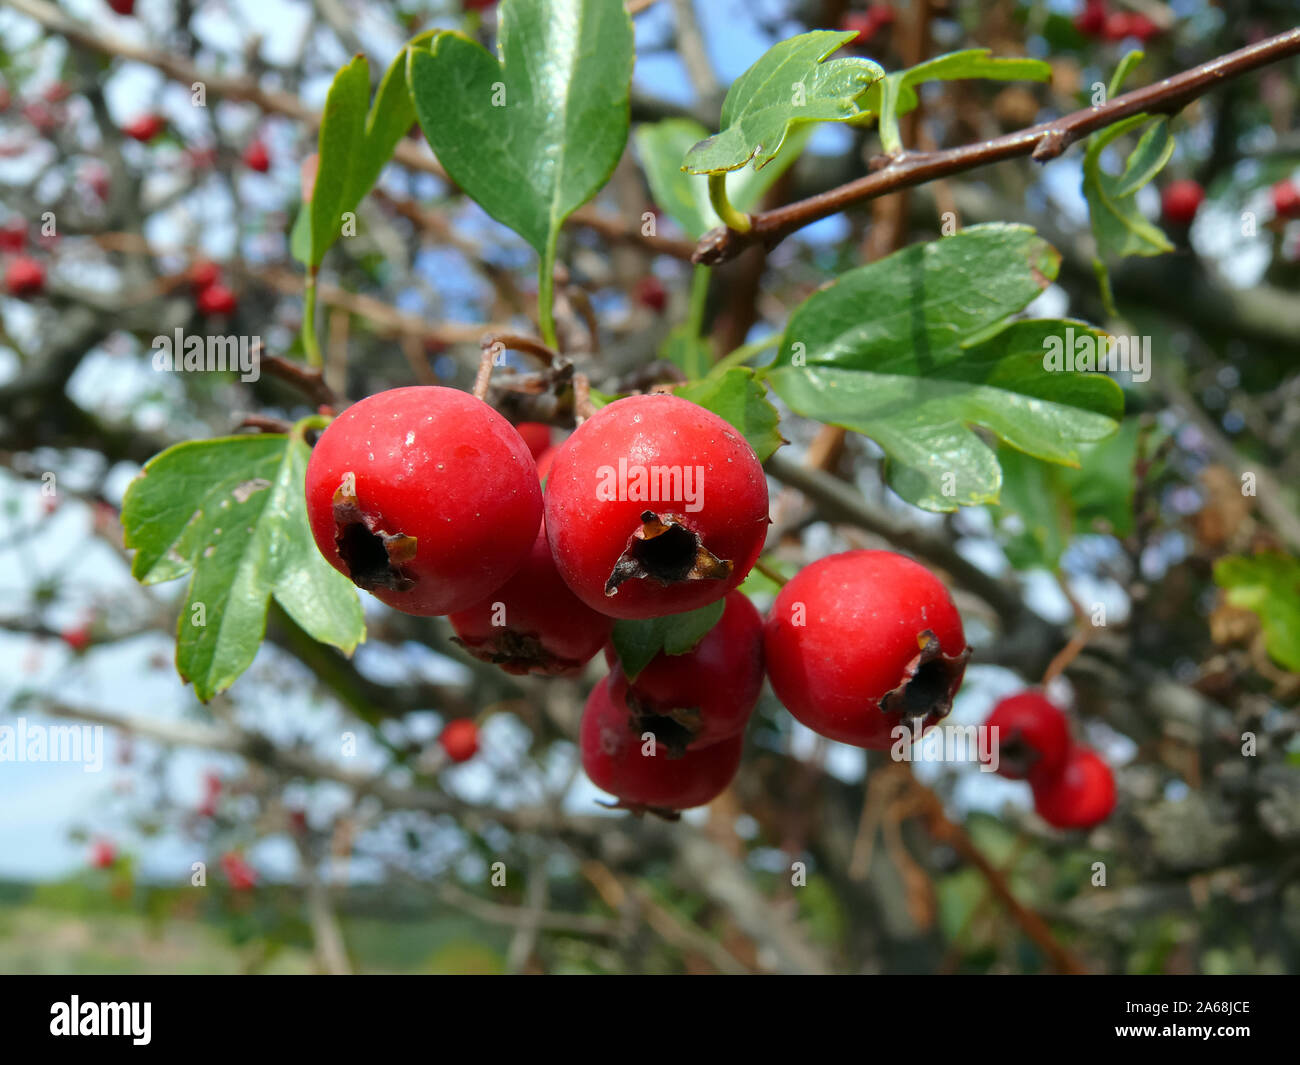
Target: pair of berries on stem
<point>1072,786</point>
<point>431,500</point>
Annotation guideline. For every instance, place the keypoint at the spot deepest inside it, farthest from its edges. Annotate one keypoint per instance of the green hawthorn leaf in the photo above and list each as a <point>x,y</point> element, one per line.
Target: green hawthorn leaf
<point>739,397</point>
<point>685,197</point>
<point>788,86</point>
<point>390,118</point>
<point>1268,585</point>
<point>895,94</point>
<point>231,512</point>
<point>1147,159</point>
<point>915,349</point>
<point>534,135</point>
<point>686,349</point>
<point>637,642</point>
<point>342,134</point>
<point>1119,227</point>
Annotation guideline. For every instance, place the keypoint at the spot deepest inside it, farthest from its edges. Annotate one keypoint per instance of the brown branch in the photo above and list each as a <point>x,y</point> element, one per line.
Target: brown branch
<point>1043,142</point>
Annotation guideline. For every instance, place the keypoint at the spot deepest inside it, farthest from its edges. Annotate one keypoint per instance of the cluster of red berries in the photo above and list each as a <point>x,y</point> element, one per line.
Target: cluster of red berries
<point>1072,786</point>
<point>433,502</point>
<point>24,275</point>
<point>211,295</point>
<point>1098,20</point>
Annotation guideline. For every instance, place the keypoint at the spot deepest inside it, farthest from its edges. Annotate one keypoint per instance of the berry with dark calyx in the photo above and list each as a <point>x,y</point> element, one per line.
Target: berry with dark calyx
<point>1079,793</point>
<point>242,876</point>
<point>705,695</point>
<point>24,278</point>
<point>256,157</point>
<point>1286,199</point>
<point>861,642</point>
<point>216,299</point>
<point>655,506</point>
<point>144,129</point>
<point>536,435</point>
<point>533,623</point>
<point>1032,734</point>
<point>650,292</point>
<point>1180,201</point>
<point>424,496</point>
<point>620,761</point>
<point>459,739</point>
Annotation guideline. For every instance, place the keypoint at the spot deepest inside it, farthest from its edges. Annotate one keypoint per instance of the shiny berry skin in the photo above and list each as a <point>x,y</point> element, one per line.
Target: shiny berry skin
<point>242,876</point>
<point>861,642</point>
<point>1286,199</point>
<point>1079,794</point>
<point>144,129</point>
<point>708,694</point>
<point>536,435</point>
<point>541,627</point>
<point>216,299</point>
<point>655,506</point>
<point>1180,201</point>
<point>1033,734</point>
<point>256,157</point>
<point>459,739</point>
<point>13,235</point>
<point>24,278</point>
<point>613,757</point>
<point>424,496</point>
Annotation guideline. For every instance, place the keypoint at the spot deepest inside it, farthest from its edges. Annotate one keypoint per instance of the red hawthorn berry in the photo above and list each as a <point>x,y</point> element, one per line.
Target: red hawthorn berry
<point>103,854</point>
<point>298,822</point>
<point>1142,28</point>
<point>544,461</point>
<point>615,757</point>
<point>211,793</point>
<point>1119,25</point>
<point>1091,21</point>
<point>1180,201</point>
<point>97,178</point>
<point>459,739</point>
<point>1033,734</point>
<point>78,639</point>
<point>424,496</point>
<point>536,435</point>
<point>256,157</point>
<point>242,876</point>
<point>861,642</point>
<point>122,7</point>
<point>478,5</point>
<point>1079,794</point>
<point>24,277</point>
<point>655,506</point>
<point>1286,199</point>
<point>144,129</point>
<point>880,15</point>
<point>43,118</point>
<point>650,292</point>
<point>203,275</point>
<point>13,235</point>
<point>696,699</point>
<point>533,623</point>
<point>216,299</point>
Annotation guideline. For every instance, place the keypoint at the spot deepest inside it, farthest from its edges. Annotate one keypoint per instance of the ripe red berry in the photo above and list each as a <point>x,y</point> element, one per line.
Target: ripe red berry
<point>242,876</point>
<point>24,277</point>
<point>424,496</point>
<point>1032,735</point>
<point>460,739</point>
<point>204,274</point>
<point>144,129</point>
<point>1079,794</point>
<point>216,299</point>
<point>533,623</point>
<point>1180,201</point>
<point>256,157</point>
<point>103,854</point>
<point>655,506</point>
<point>1091,21</point>
<point>78,639</point>
<point>536,435</point>
<point>1142,28</point>
<point>695,699</point>
<point>122,7</point>
<point>13,235</point>
<point>1286,199</point>
<point>650,292</point>
<point>618,760</point>
<point>859,643</point>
